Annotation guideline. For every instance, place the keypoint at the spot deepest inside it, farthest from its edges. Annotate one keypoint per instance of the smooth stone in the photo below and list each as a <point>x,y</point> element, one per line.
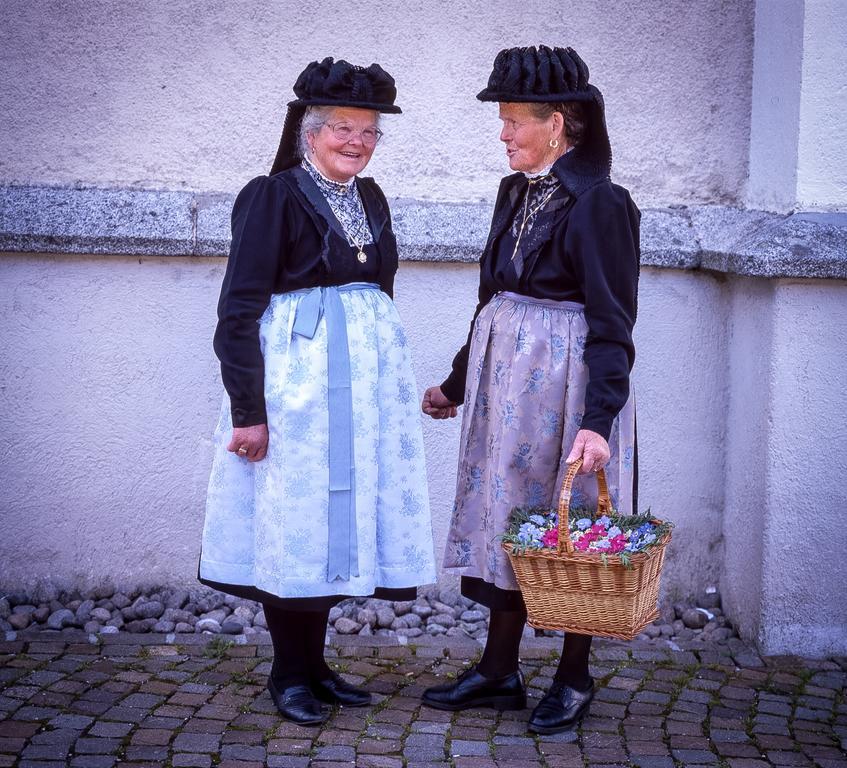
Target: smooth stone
<point>120,600</point>
<point>233,625</point>
<point>384,617</point>
<point>437,629</point>
<point>149,610</point>
<point>60,619</point>
<point>41,614</point>
<point>259,620</point>
<point>163,626</point>
<point>472,616</point>
<point>91,627</point>
<point>5,608</point>
<point>83,612</point>
<point>694,619</point>
<point>335,613</point>
<point>345,626</point>
<point>411,632</point>
<point>403,607</point>
<point>19,621</point>
<point>366,616</point>
<point>651,631</point>
<point>116,621</point>
<point>140,625</point>
<point>109,630</point>
<point>25,608</point>
<point>183,627</point>
<point>177,599</point>
<point>208,625</point>
<point>100,614</point>
<point>444,619</point>
<point>424,611</point>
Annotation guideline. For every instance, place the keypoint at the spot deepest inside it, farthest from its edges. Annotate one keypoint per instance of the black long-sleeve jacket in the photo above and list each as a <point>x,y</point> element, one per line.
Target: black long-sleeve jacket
<point>583,247</point>
<point>284,238</point>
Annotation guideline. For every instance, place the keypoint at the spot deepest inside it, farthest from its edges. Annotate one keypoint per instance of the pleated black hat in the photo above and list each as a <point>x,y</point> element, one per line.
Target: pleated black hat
<point>331,83</point>
<point>555,75</point>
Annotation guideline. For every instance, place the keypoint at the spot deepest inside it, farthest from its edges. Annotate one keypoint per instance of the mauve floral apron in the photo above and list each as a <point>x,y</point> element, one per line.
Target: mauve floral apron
<point>524,403</point>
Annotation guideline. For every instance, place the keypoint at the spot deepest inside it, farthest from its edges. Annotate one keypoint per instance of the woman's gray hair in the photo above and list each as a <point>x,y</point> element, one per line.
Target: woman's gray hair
<point>313,120</point>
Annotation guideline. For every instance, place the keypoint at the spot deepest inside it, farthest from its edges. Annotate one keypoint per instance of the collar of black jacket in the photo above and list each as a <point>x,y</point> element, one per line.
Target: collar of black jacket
<point>582,168</point>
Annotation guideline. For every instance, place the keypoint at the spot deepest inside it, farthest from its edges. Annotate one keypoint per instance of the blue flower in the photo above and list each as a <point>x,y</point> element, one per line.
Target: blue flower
<point>537,519</point>
<point>614,531</point>
<point>583,523</point>
<point>604,521</point>
<point>529,535</point>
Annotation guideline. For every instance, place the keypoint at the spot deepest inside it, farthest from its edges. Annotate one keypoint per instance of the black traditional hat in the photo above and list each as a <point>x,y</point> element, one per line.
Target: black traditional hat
<point>333,83</point>
<point>555,75</point>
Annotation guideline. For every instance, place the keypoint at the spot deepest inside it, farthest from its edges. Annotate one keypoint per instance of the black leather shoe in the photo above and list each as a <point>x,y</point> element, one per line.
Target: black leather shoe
<point>296,703</point>
<point>472,689</point>
<point>560,709</point>
<point>336,690</point>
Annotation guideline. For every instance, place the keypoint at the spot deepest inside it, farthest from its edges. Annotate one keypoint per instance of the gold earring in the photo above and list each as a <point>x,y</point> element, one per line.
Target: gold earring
<point>554,143</point>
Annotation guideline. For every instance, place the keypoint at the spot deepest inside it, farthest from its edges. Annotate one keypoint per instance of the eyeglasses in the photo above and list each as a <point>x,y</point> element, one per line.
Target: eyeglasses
<point>345,132</point>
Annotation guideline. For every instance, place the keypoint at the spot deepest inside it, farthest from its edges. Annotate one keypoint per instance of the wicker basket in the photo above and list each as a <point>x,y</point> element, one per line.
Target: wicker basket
<point>577,592</point>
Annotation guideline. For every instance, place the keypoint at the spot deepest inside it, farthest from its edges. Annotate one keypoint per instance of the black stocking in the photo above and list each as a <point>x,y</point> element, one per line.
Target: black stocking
<point>500,657</point>
<point>287,630</point>
<point>573,666</point>
<point>314,638</point>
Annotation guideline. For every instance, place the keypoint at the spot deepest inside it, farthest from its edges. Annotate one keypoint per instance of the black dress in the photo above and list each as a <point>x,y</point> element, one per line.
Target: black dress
<point>287,213</point>
<point>583,246</point>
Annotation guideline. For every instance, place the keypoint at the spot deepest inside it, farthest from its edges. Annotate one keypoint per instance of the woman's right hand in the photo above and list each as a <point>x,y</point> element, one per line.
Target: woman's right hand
<point>249,443</point>
<point>436,405</point>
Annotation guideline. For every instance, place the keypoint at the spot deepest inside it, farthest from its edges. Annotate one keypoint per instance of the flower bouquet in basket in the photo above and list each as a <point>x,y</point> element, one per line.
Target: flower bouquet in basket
<point>595,575</point>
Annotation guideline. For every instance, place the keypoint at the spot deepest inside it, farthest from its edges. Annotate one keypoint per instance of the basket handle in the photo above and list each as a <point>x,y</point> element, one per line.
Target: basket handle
<point>604,503</point>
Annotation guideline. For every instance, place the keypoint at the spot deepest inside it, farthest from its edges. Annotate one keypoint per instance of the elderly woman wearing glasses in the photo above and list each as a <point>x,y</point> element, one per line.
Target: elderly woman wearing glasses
<point>544,375</point>
<point>317,489</point>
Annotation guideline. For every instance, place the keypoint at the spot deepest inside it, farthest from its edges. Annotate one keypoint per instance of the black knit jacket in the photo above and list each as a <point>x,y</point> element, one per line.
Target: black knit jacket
<point>285,237</point>
<point>583,247</point>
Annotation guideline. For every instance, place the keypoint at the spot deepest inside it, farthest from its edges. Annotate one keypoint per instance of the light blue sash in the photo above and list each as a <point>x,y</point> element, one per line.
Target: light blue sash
<point>342,551</point>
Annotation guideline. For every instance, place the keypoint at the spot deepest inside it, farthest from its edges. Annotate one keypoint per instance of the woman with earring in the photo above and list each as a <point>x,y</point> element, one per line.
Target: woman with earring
<point>544,375</point>
<point>317,490</point>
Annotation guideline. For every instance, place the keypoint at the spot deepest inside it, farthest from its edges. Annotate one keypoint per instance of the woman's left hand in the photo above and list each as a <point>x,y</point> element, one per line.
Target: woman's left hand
<point>592,449</point>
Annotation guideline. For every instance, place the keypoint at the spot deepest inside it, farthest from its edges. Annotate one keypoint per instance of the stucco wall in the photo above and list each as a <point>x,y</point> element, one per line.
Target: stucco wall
<point>822,161</point>
<point>112,391</point>
<point>786,456</point>
<point>805,538</point>
<point>192,95</point>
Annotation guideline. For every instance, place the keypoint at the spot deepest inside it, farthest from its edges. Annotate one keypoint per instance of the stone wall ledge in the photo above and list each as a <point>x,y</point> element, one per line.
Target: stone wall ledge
<point>144,222</point>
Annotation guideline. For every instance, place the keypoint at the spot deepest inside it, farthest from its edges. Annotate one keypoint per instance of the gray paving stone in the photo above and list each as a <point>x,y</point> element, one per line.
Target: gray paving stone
<point>459,747</point>
<point>196,742</point>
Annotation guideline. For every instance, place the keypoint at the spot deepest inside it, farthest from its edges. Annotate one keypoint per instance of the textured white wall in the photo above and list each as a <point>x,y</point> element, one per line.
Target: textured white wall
<point>747,404</point>
<point>786,458</point>
<point>822,153</point>
<point>192,95</point>
<point>111,390</point>
<point>775,108</point>
<point>805,540</point>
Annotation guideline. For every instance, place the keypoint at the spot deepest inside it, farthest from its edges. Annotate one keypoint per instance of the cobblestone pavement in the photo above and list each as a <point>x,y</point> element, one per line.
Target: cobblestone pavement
<point>138,700</point>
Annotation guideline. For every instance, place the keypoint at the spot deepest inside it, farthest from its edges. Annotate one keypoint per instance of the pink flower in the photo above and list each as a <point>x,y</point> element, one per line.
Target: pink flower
<point>581,545</point>
<point>551,538</point>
